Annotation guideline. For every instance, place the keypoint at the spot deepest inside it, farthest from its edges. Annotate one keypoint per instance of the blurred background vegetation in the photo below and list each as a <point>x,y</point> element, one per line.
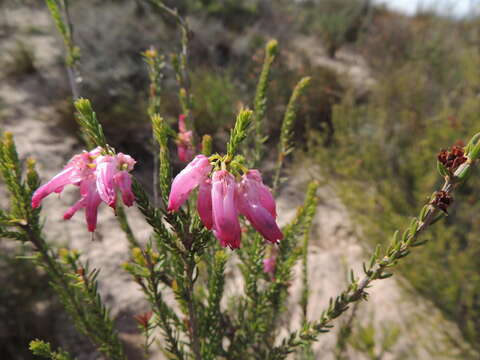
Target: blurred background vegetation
<point>375,141</point>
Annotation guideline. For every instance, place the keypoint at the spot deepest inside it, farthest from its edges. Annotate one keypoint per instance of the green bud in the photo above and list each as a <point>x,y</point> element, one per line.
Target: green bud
<point>474,152</point>
<point>272,48</point>
<point>463,172</point>
<point>40,348</point>
<point>207,145</point>
<point>474,141</point>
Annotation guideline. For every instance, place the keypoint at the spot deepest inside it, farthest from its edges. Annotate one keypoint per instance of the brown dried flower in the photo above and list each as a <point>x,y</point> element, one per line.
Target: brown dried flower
<point>452,159</point>
<point>442,200</point>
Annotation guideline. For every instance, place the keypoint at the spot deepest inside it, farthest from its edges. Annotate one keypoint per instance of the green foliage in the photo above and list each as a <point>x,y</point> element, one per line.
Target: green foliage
<point>366,340</point>
<point>260,101</point>
<point>206,145</point>
<point>161,133</point>
<point>75,285</point>
<point>183,259</point>
<point>335,20</point>
<point>23,288</point>
<point>234,14</point>
<point>239,131</point>
<point>215,99</point>
<point>382,149</point>
<point>59,11</point>
<point>43,349</point>
<point>285,146</point>
<point>90,128</point>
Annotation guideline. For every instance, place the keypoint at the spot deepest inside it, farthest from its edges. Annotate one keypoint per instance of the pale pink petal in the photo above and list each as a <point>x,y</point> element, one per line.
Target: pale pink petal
<point>184,146</point>
<point>261,191</point>
<point>187,180</point>
<point>263,222</point>
<point>225,217</point>
<point>256,203</point>
<point>106,170</point>
<point>77,206</point>
<point>181,123</point>
<point>182,153</point>
<point>95,152</point>
<point>123,180</point>
<point>125,162</point>
<point>92,199</point>
<point>269,265</point>
<point>83,165</point>
<point>56,184</point>
<point>204,203</point>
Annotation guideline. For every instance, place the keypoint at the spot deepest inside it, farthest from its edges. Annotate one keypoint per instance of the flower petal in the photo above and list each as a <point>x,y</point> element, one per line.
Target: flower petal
<point>187,180</point>
<point>204,203</point>
<point>72,210</point>
<point>106,170</point>
<point>225,216</point>
<point>261,191</point>
<point>92,199</point>
<point>123,180</point>
<point>56,184</point>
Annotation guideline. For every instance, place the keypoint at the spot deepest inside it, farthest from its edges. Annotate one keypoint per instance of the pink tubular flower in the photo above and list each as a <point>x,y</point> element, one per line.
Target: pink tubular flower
<point>98,177</point>
<point>112,175</point>
<point>269,264</point>
<point>187,180</point>
<point>79,168</point>
<point>265,196</point>
<point>106,166</point>
<point>185,148</point>
<point>204,203</point>
<point>226,226</point>
<point>90,200</point>
<point>256,203</point>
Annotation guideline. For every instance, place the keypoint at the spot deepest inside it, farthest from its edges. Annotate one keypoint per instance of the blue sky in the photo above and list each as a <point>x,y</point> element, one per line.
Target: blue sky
<point>449,7</point>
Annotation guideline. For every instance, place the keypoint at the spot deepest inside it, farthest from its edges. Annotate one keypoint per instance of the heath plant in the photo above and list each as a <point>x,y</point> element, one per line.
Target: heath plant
<point>220,206</point>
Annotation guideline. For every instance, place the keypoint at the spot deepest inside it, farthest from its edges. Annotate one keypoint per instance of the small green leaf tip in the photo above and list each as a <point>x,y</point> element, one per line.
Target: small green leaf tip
<point>43,349</point>
<point>91,129</point>
<point>206,145</point>
<point>239,132</point>
<point>272,47</point>
<point>291,115</point>
<point>473,148</point>
<point>40,348</point>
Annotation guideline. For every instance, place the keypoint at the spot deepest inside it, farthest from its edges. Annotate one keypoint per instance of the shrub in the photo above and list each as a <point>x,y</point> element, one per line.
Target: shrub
<point>21,60</point>
<point>379,157</point>
<point>336,22</point>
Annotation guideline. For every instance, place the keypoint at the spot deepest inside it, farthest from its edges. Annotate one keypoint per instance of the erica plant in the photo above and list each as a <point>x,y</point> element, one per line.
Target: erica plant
<point>217,212</point>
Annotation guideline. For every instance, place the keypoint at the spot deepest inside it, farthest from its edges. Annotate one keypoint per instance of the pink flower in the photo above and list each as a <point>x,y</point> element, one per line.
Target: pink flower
<point>185,148</point>
<point>187,180</point>
<point>90,200</point>
<point>264,194</point>
<point>204,203</point>
<point>98,177</point>
<point>269,264</point>
<point>256,203</point>
<point>226,226</point>
<point>79,168</point>
<point>112,176</point>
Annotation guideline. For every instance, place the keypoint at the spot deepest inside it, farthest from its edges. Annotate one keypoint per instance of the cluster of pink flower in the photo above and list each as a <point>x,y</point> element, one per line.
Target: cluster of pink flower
<point>185,149</point>
<point>221,199</point>
<point>99,176</point>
